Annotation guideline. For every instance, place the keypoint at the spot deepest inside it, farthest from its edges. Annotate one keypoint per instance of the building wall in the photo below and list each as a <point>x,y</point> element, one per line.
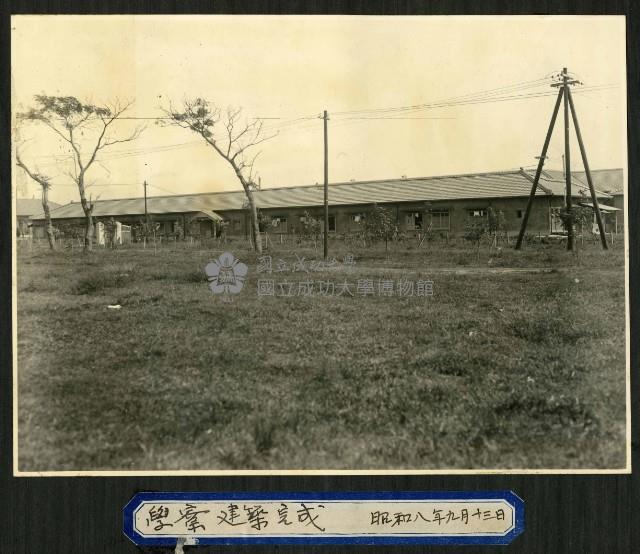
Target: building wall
<point>343,217</point>
<point>169,223</point>
<point>458,215</point>
<point>618,201</point>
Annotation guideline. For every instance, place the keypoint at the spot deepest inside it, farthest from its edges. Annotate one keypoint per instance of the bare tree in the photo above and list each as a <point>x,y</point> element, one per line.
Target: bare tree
<point>45,185</point>
<point>87,129</point>
<point>230,137</point>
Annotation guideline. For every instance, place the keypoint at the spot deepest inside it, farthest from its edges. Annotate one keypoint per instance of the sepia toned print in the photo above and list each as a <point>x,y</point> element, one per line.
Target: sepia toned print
<point>398,249</point>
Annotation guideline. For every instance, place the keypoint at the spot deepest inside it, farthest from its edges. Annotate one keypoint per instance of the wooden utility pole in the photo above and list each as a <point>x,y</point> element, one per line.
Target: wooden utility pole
<point>564,91</point>
<point>592,190</point>
<point>567,158</point>
<point>541,159</point>
<point>146,214</point>
<point>326,187</point>
<point>564,176</point>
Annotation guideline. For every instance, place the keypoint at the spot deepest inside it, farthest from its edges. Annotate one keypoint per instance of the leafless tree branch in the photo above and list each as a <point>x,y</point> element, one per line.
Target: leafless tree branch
<point>65,115</point>
<point>205,119</point>
<point>39,178</point>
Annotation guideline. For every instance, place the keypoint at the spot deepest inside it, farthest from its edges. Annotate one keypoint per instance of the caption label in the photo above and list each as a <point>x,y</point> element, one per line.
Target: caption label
<point>324,518</point>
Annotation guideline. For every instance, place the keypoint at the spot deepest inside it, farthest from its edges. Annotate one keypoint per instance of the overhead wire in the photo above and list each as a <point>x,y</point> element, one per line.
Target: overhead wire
<point>161,188</point>
<point>477,94</point>
<point>487,99</point>
<point>283,126</point>
<point>306,122</point>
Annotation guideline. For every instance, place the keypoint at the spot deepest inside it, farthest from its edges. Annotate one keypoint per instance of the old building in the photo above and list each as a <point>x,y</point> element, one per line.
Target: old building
<point>26,208</point>
<point>610,181</point>
<point>168,213</point>
<point>442,205</point>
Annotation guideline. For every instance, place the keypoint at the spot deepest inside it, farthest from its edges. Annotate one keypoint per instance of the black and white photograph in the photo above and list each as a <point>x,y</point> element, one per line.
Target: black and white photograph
<point>319,244</point>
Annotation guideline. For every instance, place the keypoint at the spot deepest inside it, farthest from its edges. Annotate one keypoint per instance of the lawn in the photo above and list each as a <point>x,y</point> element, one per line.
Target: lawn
<point>498,369</point>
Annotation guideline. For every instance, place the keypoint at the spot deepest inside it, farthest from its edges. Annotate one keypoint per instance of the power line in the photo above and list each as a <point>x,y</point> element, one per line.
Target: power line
<point>115,154</point>
<point>98,185</point>
<point>469,97</point>
<point>308,123</point>
<point>305,123</point>
<point>534,82</point>
<point>498,94</point>
<point>491,99</point>
<point>120,154</point>
<point>162,189</point>
<point>396,118</point>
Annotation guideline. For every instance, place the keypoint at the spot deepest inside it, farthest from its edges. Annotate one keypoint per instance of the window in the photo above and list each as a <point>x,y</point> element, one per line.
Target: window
<point>414,220</point>
<point>279,223</point>
<point>440,219</point>
<point>478,213</point>
<point>519,214</point>
<point>357,218</point>
<point>332,223</point>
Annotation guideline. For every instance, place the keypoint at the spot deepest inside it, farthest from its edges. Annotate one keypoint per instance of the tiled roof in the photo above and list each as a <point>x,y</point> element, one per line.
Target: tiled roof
<point>609,180</point>
<point>553,180</point>
<point>504,184</point>
<point>135,206</point>
<point>31,206</point>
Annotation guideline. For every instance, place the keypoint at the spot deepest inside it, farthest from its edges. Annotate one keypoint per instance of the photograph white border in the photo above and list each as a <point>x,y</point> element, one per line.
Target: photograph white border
<point>325,472</point>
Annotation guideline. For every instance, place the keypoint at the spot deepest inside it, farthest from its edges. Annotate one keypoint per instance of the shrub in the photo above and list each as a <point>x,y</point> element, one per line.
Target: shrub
<point>380,225</point>
<point>100,280</point>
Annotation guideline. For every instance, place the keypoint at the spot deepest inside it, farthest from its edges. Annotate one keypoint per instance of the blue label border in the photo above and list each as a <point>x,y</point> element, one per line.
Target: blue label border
<point>513,499</point>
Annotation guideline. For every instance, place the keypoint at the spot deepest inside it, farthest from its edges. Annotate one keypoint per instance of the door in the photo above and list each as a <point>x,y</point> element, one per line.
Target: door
<point>556,222</point>
<point>205,229</point>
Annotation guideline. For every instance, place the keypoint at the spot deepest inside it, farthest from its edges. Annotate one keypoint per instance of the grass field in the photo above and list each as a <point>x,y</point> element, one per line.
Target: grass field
<point>498,369</point>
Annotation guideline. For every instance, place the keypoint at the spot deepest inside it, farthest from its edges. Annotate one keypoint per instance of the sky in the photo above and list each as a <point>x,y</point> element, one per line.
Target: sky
<point>287,69</point>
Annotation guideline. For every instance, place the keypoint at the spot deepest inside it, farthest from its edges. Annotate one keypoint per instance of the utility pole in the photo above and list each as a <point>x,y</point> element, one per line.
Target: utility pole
<point>536,179</point>
<point>146,214</point>
<point>592,190</point>
<point>326,187</point>
<point>564,176</point>
<point>567,157</point>
<point>564,91</point>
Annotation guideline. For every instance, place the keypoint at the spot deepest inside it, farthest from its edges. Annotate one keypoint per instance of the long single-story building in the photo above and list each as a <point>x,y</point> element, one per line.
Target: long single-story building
<point>26,208</point>
<point>443,204</point>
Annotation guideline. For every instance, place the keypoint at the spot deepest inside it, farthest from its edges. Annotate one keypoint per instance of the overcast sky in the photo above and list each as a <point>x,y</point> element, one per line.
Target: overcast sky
<point>294,67</point>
